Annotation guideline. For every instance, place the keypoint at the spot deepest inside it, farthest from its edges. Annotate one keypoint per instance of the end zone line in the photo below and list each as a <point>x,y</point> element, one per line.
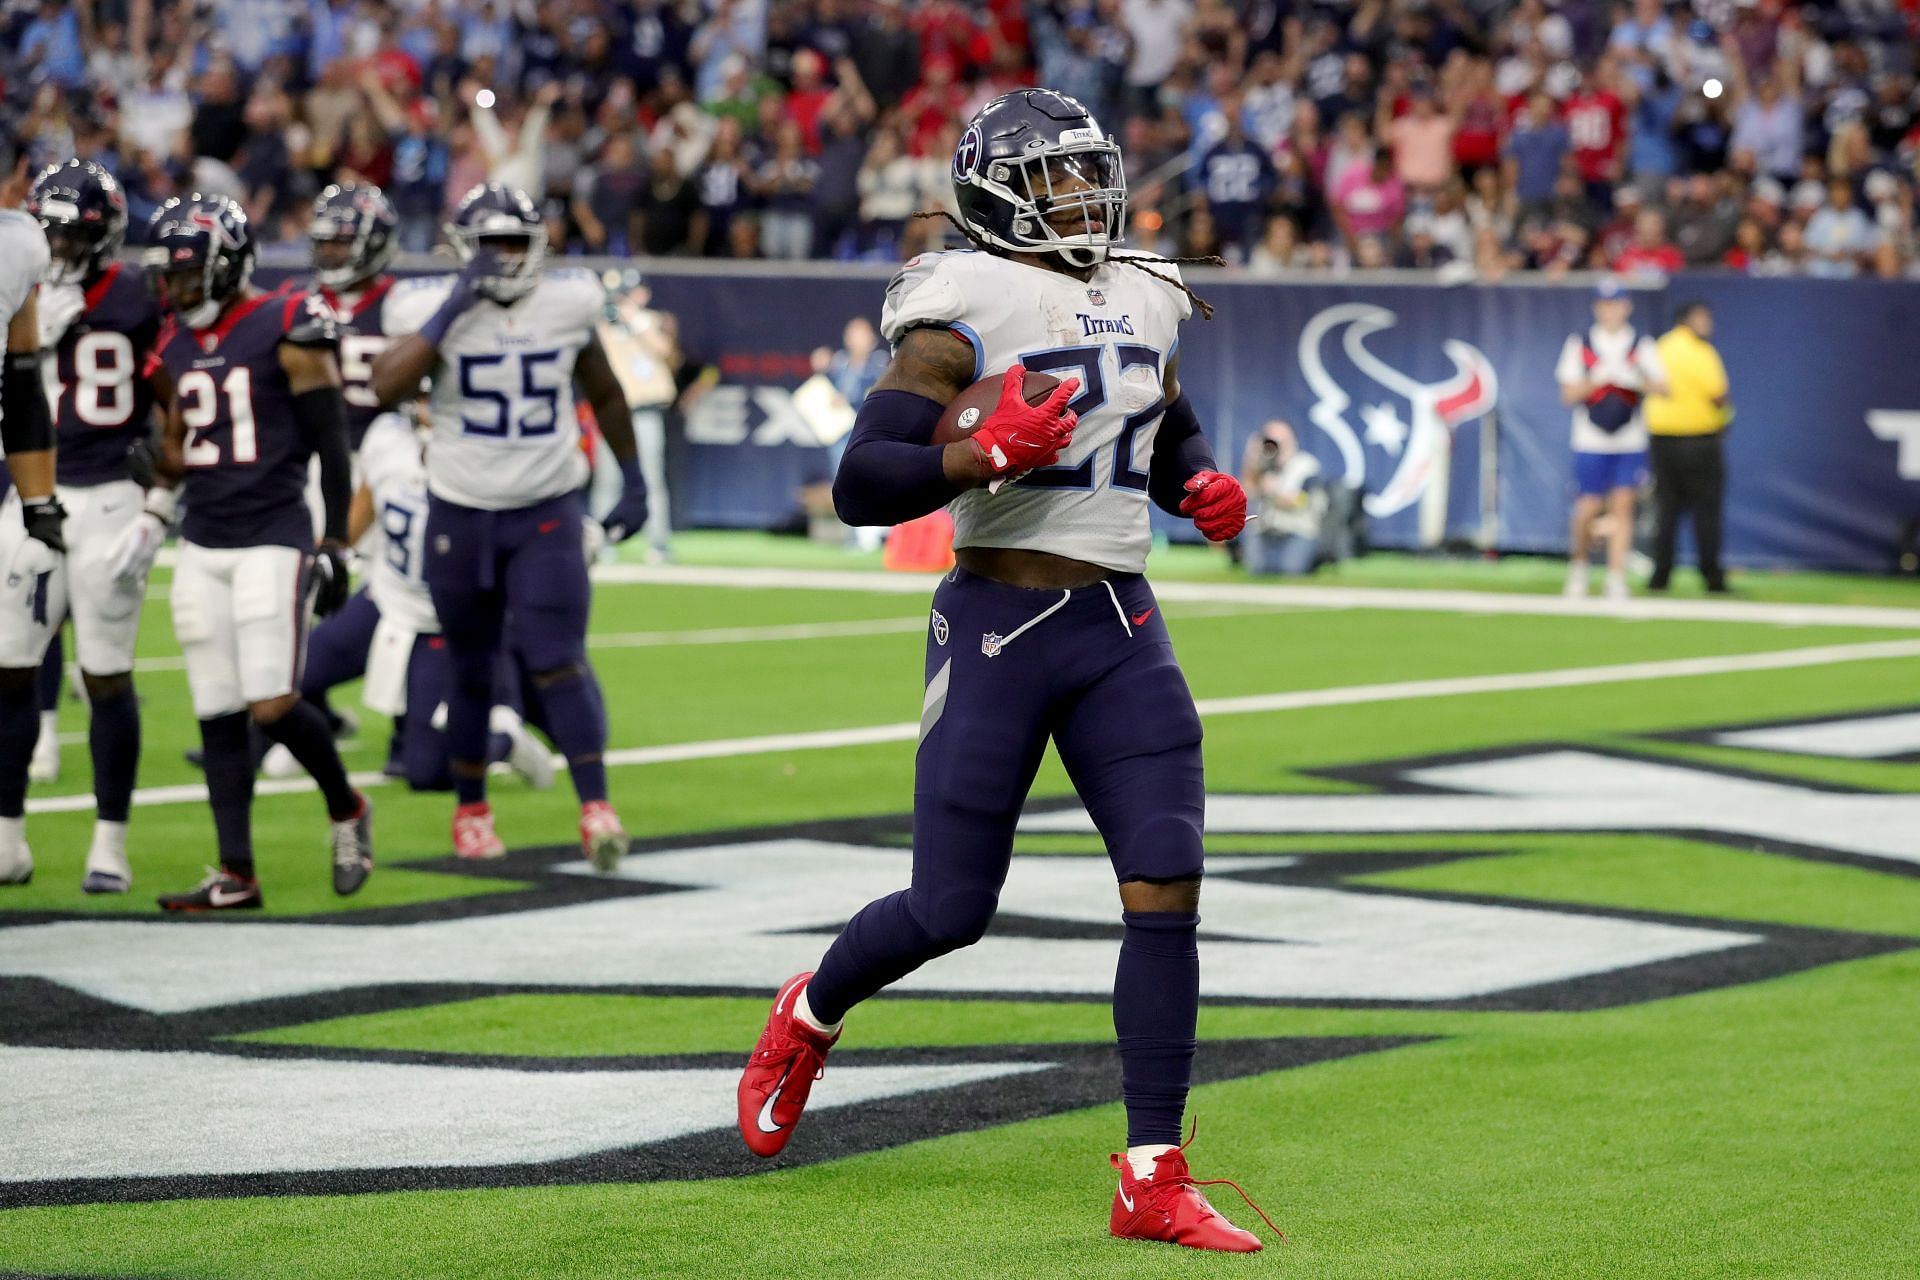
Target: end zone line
<point>1296,700</point>
<point>1639,609</point>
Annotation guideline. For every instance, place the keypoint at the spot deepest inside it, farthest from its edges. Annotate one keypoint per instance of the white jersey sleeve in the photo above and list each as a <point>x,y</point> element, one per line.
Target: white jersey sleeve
<point>24,259</point>
<point>505,431</point>
<point>412,302</point>
<point>1572,367</point>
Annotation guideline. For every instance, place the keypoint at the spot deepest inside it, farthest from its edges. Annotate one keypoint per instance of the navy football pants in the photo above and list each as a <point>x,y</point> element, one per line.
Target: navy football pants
<point>1093,669</point>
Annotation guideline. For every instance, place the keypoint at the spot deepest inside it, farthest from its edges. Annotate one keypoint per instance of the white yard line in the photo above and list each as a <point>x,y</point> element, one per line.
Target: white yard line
<point>775,633</point>
<point>1296,700</point>
<point>1478,602</point>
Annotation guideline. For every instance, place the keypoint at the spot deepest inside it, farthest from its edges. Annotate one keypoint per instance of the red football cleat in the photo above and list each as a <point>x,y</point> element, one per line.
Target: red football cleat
<point>780,1074</point>
<point>473,835</point>
<point>1169,1207</point>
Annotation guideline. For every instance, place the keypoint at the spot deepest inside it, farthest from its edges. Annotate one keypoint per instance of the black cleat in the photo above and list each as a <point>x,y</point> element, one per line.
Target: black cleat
<point>220,891</point>
<point>353,850</point>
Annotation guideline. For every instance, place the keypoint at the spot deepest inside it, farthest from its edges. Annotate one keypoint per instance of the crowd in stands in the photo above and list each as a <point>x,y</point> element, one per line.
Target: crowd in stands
<point>1468,136</point>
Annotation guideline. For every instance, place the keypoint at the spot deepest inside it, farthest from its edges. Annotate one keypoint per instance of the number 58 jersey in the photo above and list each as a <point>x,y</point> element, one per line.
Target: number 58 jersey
<point>1116,332</point>
<point>505,434</point>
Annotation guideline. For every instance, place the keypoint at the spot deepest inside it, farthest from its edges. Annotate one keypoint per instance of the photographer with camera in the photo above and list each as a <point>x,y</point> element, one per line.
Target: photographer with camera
<point>1284,483</point>
<point>1604,374</point>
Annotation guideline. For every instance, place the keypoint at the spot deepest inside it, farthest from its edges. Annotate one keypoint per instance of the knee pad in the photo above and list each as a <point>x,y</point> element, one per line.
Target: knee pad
<point>955,918</point>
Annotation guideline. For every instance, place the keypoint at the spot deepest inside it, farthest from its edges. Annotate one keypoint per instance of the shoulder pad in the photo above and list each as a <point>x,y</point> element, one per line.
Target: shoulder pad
<point>311,321</point>
<point>926,291</point>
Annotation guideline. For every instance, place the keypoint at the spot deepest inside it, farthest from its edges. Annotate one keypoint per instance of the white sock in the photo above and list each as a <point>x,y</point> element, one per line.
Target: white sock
<point>804,1012</point>
<point>13,833</point>
<point>1141,1158</point>
<point>50,724</point>
<point>109,841</point>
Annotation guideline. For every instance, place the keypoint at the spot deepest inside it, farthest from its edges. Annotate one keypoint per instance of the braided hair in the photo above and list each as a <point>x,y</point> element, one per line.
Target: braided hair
<point>1136,261</point>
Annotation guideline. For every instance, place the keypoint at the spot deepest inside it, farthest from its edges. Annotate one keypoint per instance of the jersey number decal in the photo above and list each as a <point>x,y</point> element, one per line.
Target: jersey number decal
<point>1089,365</point>
<point>200,409</point>
<point>103,370</point>
<point>396,522</point>
<point>357,354</point>
<point>519,401</point>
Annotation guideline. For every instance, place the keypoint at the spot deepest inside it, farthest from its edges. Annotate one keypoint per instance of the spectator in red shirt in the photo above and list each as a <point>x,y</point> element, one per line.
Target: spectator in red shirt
<point>1597,126</point>
<point>949,33</point>
<point>809,96</point>
<point>1650,253</point>
<point>929,105</point>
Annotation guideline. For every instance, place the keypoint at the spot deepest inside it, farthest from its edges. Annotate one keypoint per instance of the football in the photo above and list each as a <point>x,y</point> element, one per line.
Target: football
<point>971,407</point>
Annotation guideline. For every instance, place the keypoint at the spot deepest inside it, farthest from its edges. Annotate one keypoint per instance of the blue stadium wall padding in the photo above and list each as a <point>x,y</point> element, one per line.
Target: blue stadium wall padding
<point>1372,372</point>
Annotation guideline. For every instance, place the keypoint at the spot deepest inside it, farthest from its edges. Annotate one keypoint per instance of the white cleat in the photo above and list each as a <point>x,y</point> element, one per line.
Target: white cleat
<point>1576,588</point>
<point>45,765</point>
<point>108,870</point>
<point>16,860</point>
<point>1617,587</point>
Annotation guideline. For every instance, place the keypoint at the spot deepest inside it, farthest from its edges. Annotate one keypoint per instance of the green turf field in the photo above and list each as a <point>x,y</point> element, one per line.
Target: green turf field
<point>1514,967</point>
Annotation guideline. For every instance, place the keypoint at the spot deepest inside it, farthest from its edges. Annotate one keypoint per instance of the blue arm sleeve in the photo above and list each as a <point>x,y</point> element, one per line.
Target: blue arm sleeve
<point>892,471</point>
<point>1180,452</point>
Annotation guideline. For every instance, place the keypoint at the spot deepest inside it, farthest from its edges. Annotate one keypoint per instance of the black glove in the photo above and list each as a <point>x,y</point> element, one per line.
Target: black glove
<point>331,583</point>
<point>142,462</point>
<point>43,518</point>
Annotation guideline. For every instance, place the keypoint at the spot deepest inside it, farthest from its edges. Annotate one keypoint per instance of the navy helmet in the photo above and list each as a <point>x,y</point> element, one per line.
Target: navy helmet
<point>352,232</point>
<point>84,214</point>
<point>1034,173</point>
<point>200,254</point>
<point>501,220</point>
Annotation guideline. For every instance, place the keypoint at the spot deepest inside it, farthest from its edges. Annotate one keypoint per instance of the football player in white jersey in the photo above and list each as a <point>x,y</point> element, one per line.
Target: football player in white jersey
<point>389,632</point>
<point>503,344</point>
<point>32,544</point>
<point>1046,629</point>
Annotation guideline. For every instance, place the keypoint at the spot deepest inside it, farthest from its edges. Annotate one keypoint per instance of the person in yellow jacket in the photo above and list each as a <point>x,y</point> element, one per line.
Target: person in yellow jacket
<point>1688,427</point>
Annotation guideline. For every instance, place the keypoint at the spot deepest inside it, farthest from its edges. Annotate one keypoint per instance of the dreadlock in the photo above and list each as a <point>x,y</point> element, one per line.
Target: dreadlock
<point>1138,263</point>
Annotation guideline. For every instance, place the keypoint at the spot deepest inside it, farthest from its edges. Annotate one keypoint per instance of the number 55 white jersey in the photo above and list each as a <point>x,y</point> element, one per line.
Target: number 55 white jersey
<point>1116,333</point>
<point>505,434</point>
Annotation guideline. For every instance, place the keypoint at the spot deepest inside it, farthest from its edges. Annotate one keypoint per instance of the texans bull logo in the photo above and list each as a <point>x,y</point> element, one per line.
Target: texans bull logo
<point>1420,443</point>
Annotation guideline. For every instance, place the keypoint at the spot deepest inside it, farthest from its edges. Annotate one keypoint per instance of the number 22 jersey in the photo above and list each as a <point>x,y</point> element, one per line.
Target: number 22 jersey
<point>1116,333</point>
<point>246,458</point>
<point>505,433</point>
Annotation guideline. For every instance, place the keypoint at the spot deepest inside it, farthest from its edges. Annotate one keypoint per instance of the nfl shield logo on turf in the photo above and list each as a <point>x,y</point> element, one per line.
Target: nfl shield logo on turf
<point>939,628</point>
<point>991,642</point>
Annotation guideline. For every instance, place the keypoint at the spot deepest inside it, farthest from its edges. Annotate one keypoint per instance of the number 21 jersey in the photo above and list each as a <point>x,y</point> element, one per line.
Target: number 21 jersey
<point>505,434</point>
<point>246,459</point>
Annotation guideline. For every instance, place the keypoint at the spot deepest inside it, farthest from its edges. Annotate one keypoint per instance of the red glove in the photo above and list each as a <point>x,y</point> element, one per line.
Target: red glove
<point>1018,436</point>
<point>1217,504</point>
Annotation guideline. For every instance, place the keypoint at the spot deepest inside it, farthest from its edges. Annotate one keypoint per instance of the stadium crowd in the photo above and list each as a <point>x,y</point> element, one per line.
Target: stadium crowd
<point>1468,136</point>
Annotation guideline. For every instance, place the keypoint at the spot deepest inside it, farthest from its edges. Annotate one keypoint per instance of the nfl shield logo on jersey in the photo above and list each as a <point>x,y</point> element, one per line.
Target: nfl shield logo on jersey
<point>939,627</point>
<point>991,643</point>
<point>1096,297</point>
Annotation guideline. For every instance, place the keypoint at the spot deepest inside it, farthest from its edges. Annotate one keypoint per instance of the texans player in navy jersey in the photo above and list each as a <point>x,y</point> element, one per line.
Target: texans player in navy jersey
<point>256,394</point>
<point>353,237</point>
<point>98,322</point>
